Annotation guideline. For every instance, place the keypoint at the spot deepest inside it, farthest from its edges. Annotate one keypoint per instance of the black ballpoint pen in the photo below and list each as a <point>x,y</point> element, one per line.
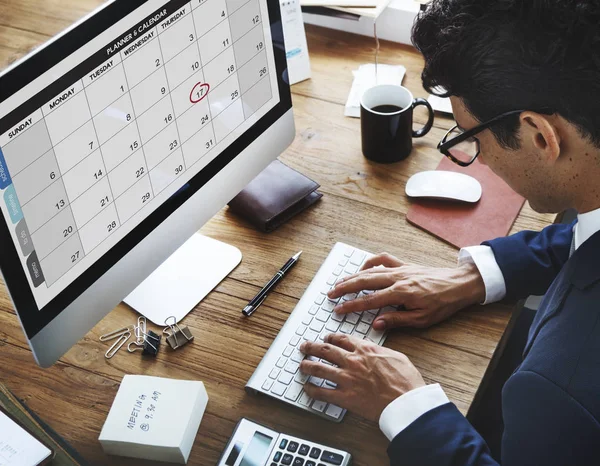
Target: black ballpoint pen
<point>262,294</point>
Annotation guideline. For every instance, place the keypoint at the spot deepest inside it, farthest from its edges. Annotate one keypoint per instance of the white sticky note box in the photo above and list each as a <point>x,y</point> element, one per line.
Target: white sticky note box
<point>154,418</point>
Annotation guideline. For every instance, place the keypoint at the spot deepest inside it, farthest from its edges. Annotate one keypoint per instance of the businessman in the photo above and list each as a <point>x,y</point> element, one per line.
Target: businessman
<point>524,80</point>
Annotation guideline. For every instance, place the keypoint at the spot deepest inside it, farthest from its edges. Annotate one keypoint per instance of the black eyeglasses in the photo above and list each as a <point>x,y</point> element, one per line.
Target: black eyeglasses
<point>462,147</point>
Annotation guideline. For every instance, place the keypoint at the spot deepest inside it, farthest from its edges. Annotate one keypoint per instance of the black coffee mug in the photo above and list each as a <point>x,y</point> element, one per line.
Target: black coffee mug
<point>386,117</point>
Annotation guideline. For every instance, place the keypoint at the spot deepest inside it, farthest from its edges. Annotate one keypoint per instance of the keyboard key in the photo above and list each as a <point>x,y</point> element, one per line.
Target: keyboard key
<point>322,316</point>
<point>313,358</point>
<point>329,383</point>
<point>274,373</point>
<point>293,447</point>
<point>334,326</point>
<point>298,356</point>
<point>331,280</point>
<point>320,298</point>
<point>314,309</point>
<point>281,362</point>
<point>282,446</point>
<point>273,464</point>
<point>352,318</point>
<point>349,251</point>
<point>351,268</point>
<point>349,296</point>
<point>307,319</point>
<point>337,271</point>
<point>372,311</point>
<point>323,335</point>
<point>362,328</point>
<point>294,391</point>
<point>267,385</point>
<point>295,340</point>
<point>311,335</point>
<point>315,453</point>
<point>347,328</point>
<point>316,381</point>
<point>387,310</point>
<point>304,449</point>
<point>337,317</point>
<point>301,378</point>
<point>305,399</point>
<point>357,258</point>
<point>279,454</point>
<point>298,462</point>
<point>375,336</point>
<point>300,331</point>
<point>286,378</point>
<point>332,458</point>
<point>278,389</point>
<point>287,352</point>
<point>334,411</point>
<point>328,305</point>
<point>287,459</point>
<point>317,326</point>
<point>343,262</point>
<point>319,406</point>
<point>292,367</point>
<point>309,463</point>
<point>367,318</point>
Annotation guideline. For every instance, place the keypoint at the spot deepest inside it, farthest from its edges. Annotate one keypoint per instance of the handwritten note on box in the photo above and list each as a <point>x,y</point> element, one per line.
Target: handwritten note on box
<point>154,418</point>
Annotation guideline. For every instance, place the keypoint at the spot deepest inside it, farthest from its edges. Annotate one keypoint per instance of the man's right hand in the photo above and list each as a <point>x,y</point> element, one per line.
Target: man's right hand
<point>428,295</point>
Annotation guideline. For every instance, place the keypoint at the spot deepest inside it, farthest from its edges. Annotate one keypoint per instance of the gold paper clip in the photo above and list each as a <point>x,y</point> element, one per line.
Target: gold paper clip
<point>116,333</point>
<point>117,345</point>
<point>179,336</point>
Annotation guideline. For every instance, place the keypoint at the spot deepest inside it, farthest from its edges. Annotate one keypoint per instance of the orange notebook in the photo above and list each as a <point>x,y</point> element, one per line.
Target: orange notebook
<point>462,224</point>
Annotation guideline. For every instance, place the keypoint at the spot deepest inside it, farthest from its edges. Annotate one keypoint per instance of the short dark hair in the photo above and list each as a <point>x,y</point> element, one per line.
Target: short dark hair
<point>503,55</point>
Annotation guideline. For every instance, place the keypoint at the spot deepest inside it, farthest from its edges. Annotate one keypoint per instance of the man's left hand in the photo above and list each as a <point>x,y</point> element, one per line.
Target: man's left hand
<point>368,377</point>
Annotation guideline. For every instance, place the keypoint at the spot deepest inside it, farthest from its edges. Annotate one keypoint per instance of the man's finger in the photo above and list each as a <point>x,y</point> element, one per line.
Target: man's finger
<point>345,342</point>
<point>385,259</point>
<point>416,318</point>
<point>331,353</point>
<point>362,281</point>
<point>320,370</point>
<point>376,300</point>
<point>323,394</point>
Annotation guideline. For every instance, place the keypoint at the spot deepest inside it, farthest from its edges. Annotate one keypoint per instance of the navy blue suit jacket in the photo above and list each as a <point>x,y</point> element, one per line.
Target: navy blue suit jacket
<point>551,404</point>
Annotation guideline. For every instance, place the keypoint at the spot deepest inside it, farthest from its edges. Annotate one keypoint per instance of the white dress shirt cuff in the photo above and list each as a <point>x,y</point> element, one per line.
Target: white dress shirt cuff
<point>483,258</point>
<point>406,409</point>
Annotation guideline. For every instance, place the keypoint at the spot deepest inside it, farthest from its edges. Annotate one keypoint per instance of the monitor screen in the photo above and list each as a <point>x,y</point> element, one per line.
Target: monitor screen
<point>107,130</point>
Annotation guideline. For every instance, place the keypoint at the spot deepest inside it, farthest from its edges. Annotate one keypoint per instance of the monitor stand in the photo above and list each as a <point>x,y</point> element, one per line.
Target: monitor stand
<point>184,279</point>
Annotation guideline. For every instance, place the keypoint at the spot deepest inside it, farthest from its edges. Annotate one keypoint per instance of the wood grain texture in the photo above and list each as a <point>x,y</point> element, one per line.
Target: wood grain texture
<point>364,205</point>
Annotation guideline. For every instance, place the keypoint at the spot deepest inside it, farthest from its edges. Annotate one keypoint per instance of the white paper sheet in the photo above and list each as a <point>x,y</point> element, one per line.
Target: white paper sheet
<point>18,447</point>
<point>365,78</point>
<point>296,49</point>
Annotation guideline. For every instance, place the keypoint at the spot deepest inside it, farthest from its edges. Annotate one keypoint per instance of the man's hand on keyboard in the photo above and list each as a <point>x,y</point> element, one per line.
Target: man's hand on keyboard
<point>429,295</point>
<point>363,369</point>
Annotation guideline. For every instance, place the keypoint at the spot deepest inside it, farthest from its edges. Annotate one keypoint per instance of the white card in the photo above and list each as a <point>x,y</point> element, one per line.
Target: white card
<point>440,104</point>
<point>368,76</point>
<point>17,446</point>
<point>296,49</point>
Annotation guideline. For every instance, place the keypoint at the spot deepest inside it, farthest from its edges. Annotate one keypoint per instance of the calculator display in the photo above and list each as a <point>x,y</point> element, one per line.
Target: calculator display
<point>257,451</point>
<point>95,145</point>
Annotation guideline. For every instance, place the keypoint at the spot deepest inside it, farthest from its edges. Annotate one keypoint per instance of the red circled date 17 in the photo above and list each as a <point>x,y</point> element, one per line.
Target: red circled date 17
<point>199,92</point>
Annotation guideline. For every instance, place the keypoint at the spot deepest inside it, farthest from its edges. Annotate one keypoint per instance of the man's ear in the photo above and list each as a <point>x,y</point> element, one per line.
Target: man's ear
<point>543,135</point>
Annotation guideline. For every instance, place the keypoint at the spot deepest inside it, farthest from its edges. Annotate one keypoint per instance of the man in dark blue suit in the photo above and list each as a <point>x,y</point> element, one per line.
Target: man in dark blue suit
<point>524,80</point>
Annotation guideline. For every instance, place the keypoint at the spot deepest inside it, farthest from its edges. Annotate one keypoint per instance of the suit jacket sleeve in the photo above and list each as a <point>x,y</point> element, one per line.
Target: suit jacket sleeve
<point>544,425</point>
<point>530,261</point>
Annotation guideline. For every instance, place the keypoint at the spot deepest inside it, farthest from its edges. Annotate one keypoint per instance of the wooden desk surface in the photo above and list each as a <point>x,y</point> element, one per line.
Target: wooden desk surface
<point>363,205</point>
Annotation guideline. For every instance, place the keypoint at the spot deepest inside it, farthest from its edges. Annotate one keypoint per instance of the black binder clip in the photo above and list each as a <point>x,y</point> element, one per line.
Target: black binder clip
<point>149,346</point>
<point>177,336</point>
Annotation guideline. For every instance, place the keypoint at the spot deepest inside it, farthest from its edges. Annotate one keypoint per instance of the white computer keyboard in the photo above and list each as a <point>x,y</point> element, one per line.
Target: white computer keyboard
<point>278,374</point>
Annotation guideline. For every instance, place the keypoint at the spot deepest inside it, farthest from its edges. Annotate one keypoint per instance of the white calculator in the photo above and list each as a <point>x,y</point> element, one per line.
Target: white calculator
<point>254,445</point>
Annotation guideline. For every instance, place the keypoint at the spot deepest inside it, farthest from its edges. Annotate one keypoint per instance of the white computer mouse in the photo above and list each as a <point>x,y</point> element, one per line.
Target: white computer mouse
<point>439,184</point>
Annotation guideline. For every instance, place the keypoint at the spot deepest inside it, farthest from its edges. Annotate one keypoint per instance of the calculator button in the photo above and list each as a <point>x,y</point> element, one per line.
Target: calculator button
<point>334,411</point>
<point>282,445</point>
<point>304,449</point>
<point>315,453</point>
<point>292,447</point>
<point>279,454</point>
<point>287,459</point>
<point>298,462</point>
<point>332,458</point>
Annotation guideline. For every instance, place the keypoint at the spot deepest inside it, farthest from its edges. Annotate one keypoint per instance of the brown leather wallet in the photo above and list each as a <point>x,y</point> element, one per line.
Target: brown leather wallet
<point>275,196</point>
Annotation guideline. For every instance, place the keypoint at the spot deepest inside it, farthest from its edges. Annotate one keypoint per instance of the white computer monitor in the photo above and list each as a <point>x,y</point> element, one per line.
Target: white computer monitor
<point>119,139</point>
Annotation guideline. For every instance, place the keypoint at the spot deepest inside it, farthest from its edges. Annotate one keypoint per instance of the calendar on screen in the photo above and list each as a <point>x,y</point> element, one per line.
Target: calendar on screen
<point>142,109</point>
